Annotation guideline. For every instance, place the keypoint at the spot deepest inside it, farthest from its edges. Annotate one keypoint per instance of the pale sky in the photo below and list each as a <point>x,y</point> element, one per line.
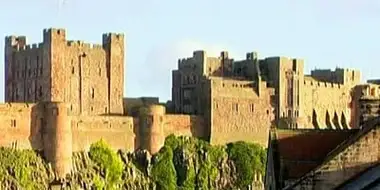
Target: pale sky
<point>343,33</point>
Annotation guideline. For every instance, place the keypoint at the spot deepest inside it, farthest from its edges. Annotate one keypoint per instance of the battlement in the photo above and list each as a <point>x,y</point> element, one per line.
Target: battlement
<point>19,43</point>
<point>111,37</point>
<point>103,123</point>
<point>79,43</point>
<point>16,107</point>
<point>232,83</point>
<point>315,83</point>
<point>340,75</point>
<point>59,31</point>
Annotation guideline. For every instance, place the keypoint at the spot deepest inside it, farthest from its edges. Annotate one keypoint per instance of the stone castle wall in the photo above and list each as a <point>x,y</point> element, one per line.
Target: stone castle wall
<point>239,112</point>
<point>49,127</point>
<point>16,130</point>
<point>326,105</point>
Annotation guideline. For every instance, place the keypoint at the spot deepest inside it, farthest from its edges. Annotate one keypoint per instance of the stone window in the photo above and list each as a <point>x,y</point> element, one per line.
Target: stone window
<point>236,107</point>
<point>194,79</point>
<point>55,111</point>
<point>252,108</point>
<point>216,105</point>
<point>105,110</point>
<point>29,91</point>
<point>92,93</point>
<point>72,70</point>
<point>40,92</point>
<point>100,71</point>
<point>16,92</point>
<point>14,145</point>
<point>92,108</point>
<point>13,123</point>
<point>187,94</point>
<point>187,108</point>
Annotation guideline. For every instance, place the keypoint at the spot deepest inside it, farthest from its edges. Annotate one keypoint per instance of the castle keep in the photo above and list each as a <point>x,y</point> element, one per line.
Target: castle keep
<point>62,96</point>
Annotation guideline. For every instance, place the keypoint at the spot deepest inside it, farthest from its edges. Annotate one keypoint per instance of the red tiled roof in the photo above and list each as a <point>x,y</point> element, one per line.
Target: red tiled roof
<point>302,150</point>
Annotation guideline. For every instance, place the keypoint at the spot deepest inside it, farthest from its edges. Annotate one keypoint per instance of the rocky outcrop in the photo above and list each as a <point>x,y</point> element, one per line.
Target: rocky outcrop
<point>183,163</point>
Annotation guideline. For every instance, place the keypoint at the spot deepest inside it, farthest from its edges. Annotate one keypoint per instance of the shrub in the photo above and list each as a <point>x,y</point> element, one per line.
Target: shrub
<point>108,161</point>
<point>163,171</point>
<point>248,159</point>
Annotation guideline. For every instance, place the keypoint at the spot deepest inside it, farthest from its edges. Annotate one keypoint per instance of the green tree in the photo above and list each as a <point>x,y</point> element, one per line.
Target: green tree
<point>108,161</point>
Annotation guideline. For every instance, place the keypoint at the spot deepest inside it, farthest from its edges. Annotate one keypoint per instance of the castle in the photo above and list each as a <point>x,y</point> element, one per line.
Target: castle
<point>62,96</point>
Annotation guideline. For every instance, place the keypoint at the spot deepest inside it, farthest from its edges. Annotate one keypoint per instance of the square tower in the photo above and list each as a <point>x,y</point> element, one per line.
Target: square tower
<point>88,77</point>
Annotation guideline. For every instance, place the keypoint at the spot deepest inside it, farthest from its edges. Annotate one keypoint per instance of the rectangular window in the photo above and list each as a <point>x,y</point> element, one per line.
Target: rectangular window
<point>187,94</point>
<point>252,108</point>
<point>235,107</point>
<point>92,93</point>
<point>40,92</point>
<point>55,111</point>
<point>13,123</point>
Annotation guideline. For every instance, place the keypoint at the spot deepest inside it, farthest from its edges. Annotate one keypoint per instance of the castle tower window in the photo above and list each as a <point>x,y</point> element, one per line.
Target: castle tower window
<point>72,70</point>
<point>40,92</point>
<point>13,123</point>
<point>252,108</point>
<point>100,71</point>
<point>236,107</point>
<point>92,93</point>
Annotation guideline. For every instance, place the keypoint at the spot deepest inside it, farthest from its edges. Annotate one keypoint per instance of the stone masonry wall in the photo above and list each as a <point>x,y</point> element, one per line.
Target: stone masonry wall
<point>118,131</point>
<point>184,125</point>
<point>238,113</point>
<point>89,77</point>
<point>19,127</point>
<point>86,79</point>
<point>26,76</point>
<point>326,105</point>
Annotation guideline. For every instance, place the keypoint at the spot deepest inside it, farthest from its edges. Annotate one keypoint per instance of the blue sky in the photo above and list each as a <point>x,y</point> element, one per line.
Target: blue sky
<point>326,34</point>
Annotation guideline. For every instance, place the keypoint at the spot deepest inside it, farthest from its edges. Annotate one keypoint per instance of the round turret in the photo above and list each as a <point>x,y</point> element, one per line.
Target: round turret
<point>152,125</point>
<point>58,138</point>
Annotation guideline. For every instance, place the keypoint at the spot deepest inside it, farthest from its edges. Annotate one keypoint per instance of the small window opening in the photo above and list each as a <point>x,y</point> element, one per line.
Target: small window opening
<point>13,123</point>
<point>252,108</point>
<point>92,93</point>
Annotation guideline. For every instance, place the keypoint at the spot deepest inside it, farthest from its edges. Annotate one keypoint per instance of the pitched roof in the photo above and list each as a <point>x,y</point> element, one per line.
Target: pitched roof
<point>364,129</point>
<point>301,150</point>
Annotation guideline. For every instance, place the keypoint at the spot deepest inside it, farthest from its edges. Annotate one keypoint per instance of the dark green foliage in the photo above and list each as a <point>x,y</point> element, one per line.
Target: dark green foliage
<point>23,169</point>
<point>108,161</point>
<point>248,158</point>
<point>183,163</point>
<point>163,171</point>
